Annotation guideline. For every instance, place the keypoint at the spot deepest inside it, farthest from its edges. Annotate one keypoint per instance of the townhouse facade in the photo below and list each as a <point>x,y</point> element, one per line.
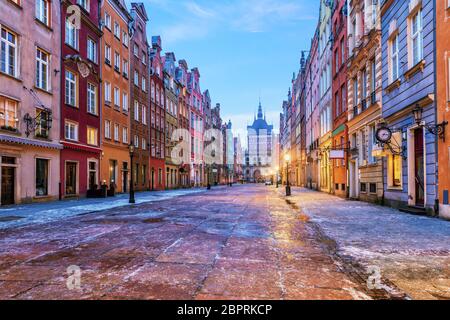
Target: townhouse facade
<point>442,41</point>
<point>197,127</point>
<point>325,126</point>
<point>158,118</point>
<point>80,98</point>
<point>408,38</point>
<point>30,116</point>
<point>115,96</point>
<point>364,100</point>
<point>184,135</point>
<point>171,89</point>
<point>339,156</point>
<point>140,111</point>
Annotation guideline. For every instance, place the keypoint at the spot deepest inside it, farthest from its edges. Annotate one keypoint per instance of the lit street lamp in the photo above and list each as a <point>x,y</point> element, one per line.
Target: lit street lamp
<point>287,158</point>
<point>132,200</point>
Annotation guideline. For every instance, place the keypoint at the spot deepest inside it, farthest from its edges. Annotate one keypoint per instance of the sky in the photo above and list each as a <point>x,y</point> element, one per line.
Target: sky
<point>245,49</point>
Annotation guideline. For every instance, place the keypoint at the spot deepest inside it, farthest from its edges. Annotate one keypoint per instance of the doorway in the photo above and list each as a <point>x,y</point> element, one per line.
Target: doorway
<point>419,170</point>
<point>71,178</point>
<point>8,178</point>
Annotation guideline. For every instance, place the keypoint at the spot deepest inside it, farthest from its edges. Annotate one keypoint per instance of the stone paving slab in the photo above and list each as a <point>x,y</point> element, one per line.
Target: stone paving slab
<point>244,242</point>
<point>411,252</point>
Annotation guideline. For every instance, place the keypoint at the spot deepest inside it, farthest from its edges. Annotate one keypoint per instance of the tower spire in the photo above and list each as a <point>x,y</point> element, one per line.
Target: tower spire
<point>260,112</point>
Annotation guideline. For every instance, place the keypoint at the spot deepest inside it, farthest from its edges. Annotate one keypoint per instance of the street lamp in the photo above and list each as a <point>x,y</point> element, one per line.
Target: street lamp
<point>131,148</point>
<point>278,176</point>
<point>437,130</point>
<point>208,173</point>
<point>287,158</point>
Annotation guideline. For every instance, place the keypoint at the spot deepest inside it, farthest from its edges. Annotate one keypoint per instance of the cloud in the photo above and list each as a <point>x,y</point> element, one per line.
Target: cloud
<point>202,18</point>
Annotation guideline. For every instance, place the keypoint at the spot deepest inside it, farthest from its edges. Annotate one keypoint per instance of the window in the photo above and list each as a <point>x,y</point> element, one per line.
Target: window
<point>136,50</point>
<point>336,61</point>
<point>394,58</point>
<point>71,178</point>
<point>92,50</point>
<point>373,188</point>
<point>144,115</point>
<point>125,68</point>
<point>42,60</point>
<point>125,102</point>
<point>116,61</point>
<point>144,58</point>
<point>42,8</point>
<point>71,34</point>
<point>117,97</point>
<point>144,84</point>
<point>396,171</point>
<point>116,30</point>
<point>342,52</point>
<point>372,143</point>
<point>8,52</point>
<point>71,88</point>
<point>92,99</point>
<point>136,141</point>
<point>125,38</point>
<point>344,97</point>
<point>125,135</point>
<point>355,91</point>
<point>364,84</point>
<point>8,113</point>
<point>416,37</point>
<point>107,20</point>
<point>144,144</point>
<point>136,111</point>
<point>108,92</point>
<point>107,54</point>
<point>92,175</point>
<point>373,81</point>
<point>136,78</point>
<point>92,136</point>
<point>42,125</point>
<point>71,131</point>
<point>116,132</point>
<point>363,156</point>
<point>84,4</point>
<point>41,177</point>
<point>107,129</point>
<point>363,187</point>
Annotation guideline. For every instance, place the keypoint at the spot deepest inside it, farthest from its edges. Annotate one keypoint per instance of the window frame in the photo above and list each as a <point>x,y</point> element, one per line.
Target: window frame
<point>8,45</point>
<point>76,129</point>
<point>40,63</point>
<point>40,9</point>
<point>90,92</point>
<point>75,91</point>
<point>89,131</point>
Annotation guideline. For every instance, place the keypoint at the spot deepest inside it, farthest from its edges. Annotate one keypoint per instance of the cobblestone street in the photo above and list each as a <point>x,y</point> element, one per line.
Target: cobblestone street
<point>245,242</point>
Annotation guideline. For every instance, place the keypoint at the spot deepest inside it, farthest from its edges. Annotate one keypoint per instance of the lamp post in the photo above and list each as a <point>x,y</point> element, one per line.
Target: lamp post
<point>287,158</point>
<point>208,173</point>
<point>131,149</point>
<point>278,176</point>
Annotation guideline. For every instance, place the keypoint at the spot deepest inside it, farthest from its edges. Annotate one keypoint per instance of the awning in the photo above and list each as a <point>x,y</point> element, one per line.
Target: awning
<point>29,142</point>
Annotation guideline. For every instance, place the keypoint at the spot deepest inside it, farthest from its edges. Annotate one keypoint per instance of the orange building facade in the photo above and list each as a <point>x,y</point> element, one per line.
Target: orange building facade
<point>443,100</point>
<point>115,160</point>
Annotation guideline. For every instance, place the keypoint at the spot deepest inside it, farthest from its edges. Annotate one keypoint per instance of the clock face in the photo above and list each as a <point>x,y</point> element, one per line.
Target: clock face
<point>384,135</point>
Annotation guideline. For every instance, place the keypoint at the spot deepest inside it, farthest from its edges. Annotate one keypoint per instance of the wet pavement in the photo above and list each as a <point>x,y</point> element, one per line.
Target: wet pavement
<point>244,242</point>
<point>411,252</point>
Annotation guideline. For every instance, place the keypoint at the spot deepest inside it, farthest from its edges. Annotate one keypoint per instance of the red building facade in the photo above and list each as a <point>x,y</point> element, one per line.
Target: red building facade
<point>339,90</point>
<point>80,98</point>
<point>140,111</point>
<point>157,117</point>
